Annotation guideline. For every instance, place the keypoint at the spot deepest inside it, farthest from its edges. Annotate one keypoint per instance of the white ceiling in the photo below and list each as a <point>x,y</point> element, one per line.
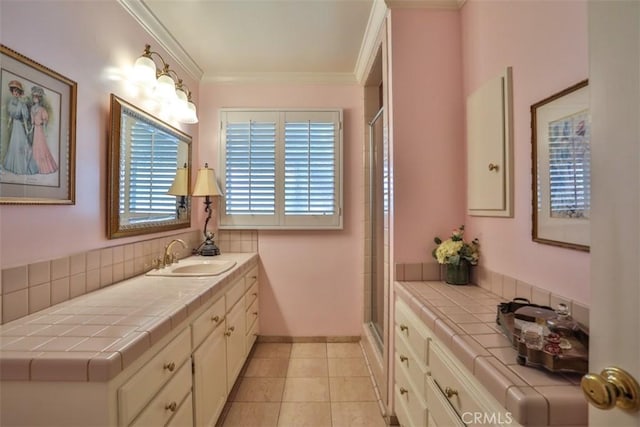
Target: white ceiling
<point>230,40</point>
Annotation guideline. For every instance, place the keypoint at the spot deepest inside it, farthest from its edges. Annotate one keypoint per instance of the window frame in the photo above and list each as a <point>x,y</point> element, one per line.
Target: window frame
<point>280,221</point>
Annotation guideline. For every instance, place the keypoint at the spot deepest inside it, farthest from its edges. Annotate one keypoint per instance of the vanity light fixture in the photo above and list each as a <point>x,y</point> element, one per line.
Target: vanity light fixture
<point>177,95</point>
<point>207,185</point>
<point>180,187</point>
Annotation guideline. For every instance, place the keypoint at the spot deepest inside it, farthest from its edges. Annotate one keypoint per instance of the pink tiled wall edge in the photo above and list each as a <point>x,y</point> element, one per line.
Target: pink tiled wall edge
<point>33,287</point>
<point>501,285</point>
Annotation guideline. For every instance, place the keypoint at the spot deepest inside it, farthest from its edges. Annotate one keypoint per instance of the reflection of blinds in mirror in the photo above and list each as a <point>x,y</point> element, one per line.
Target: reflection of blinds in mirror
<point>570,166</point>
<point>152,166</point>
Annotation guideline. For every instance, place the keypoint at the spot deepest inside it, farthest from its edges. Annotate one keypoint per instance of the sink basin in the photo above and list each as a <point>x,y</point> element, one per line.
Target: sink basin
<point>194,268</point>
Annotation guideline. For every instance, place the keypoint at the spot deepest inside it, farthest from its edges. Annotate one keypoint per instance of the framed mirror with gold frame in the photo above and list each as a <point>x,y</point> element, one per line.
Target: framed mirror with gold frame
<point>145,155</point>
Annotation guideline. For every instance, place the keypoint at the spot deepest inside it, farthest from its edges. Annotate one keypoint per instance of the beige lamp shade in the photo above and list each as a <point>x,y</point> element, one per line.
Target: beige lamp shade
<point>180,185</point>
<point>206,183</point>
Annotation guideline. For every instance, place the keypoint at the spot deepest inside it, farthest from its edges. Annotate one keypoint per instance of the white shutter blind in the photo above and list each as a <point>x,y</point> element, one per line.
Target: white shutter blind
<point>250,168</point>
<point>282,169</point>
<point>569,169</point>
<point>153,162</point>
<point>309,168</point>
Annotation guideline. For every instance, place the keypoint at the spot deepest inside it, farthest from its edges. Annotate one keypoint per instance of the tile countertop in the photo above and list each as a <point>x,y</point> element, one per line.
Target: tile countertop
<point>97,335</point>
<point>464,319</point>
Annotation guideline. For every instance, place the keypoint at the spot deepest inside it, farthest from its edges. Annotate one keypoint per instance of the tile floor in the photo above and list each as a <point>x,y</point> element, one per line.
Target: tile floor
<point>304,384</point>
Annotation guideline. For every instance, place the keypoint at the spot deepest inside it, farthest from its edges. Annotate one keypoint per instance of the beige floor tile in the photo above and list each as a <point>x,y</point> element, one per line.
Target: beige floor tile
<point>307,368</point>
<point>246,414</point>
<point>306,390</point>
<point>271,350</point>
<point>352,367</point>
<point>308,350</point>
<point>305,414</point>
<point>273,368</point>
<point>356,414</point>
<point>344,349</point>
<point>259,390</point>
<point>351,389</point>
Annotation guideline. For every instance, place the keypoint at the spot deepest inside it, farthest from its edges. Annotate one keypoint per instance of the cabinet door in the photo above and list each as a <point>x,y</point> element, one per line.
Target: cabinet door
<point>489,148</point>
<point>235,337</point>
<point>210,378</point>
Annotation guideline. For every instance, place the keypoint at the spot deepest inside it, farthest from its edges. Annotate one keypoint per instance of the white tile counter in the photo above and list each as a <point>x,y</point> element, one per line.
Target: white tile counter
<point>96,336</point>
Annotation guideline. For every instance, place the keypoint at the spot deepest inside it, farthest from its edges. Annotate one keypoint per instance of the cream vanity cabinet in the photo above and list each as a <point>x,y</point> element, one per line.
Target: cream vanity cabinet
<point>433,388</point>
<point>220,350</point>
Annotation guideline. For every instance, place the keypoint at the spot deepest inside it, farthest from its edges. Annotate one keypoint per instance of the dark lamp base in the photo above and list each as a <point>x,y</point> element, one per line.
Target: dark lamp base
<point>209,249</point>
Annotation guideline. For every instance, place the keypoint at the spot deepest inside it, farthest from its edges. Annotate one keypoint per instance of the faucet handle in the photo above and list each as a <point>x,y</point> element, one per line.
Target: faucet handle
<point>155,263</point>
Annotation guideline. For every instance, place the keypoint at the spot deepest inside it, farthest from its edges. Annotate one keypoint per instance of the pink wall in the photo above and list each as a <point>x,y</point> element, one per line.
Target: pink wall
<point>95,44</point>
<point>311,282</point>
<point>428,137</point>
<point>546,44</point>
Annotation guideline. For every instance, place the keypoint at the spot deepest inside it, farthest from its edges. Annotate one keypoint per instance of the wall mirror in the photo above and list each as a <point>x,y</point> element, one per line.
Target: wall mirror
<point>144,155</point>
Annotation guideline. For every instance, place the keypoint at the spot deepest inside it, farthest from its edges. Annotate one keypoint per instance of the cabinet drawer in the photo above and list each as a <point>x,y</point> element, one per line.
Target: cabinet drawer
<point>440,411</point>
<point>234,293</point>
<point>251,277</point>
<point>207,321</point>
<point>252,315</point>
<point>448,379</point>
<point>166,403</point>
<point>413,400</point>
<point>252,335</point>
<point>184,414</point>
<point>136,392</point>
<point>406,359</point>
<point>251,295</point>
<point>409,326</point>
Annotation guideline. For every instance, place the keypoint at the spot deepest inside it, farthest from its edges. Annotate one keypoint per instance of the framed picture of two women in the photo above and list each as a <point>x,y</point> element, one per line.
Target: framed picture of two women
<point>37,132</point>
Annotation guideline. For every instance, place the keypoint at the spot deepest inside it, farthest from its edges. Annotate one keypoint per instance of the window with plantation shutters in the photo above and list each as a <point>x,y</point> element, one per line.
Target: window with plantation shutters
<point>281,169</point>
<point>153,161</point>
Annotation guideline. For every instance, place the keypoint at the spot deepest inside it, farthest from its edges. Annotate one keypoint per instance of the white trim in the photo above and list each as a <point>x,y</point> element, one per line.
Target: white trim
<point>425,4</point>
<point>370,39</point>
<point>289,78</point>
<point>154,27</point>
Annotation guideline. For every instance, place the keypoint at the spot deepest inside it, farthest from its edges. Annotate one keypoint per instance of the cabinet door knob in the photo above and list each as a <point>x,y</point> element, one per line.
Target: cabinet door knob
<point>227,334</point>
<point>232,328</point>
<point>171,406</point>
<point>403,390</point>
<point>493,167</point>
<point>612,387</point>
<point>403,358</point>
<point>255,313</point>
<point>215,318</point>
<point>170,366</point>
<point>450,392</point>
<point>404,328</point>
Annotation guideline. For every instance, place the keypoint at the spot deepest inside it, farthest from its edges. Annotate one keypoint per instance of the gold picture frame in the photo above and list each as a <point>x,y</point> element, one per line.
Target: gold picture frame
<point>37,133</point>
<point>561,168</point>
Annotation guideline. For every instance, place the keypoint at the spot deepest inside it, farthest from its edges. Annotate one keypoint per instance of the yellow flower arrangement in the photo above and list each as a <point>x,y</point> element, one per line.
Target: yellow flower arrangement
<point>454,250</point>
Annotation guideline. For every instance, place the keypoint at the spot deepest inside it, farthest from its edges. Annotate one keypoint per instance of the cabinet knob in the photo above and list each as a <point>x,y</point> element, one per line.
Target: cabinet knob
<point>171,406</point>
<point>215,318</point>
<point>255,294</point>
<point>255,313</point>
<point>170,366</point>
<point>493,167</point>
<point>404,328</point>
<point>227,334</point>
<point>403,358</point>
<point>612,387</point>
<point>232,328</point>
<point>403,390</point>
<point>450,392</point>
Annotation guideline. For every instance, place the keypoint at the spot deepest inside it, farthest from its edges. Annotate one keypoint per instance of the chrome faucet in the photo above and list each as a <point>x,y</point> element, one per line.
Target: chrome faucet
<point>169,258</point>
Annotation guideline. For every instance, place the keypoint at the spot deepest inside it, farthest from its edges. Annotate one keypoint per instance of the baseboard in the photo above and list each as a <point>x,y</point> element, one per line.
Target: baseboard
<point>288,339</point>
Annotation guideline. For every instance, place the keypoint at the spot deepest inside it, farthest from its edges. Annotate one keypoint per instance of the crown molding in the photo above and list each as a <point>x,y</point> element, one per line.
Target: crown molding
<point>152,25</point>
<point>289,78</point>
<point>425,4</point>
<point>370,40</point>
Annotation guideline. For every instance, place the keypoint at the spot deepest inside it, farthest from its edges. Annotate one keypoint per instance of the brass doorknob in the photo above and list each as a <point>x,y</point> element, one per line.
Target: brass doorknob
<point>493,167</point>
<point>612,387</point>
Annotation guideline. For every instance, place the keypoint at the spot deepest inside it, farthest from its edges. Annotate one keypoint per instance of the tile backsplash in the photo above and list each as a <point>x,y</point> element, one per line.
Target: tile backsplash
<point>505,286</point>
<point>33,287</point>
